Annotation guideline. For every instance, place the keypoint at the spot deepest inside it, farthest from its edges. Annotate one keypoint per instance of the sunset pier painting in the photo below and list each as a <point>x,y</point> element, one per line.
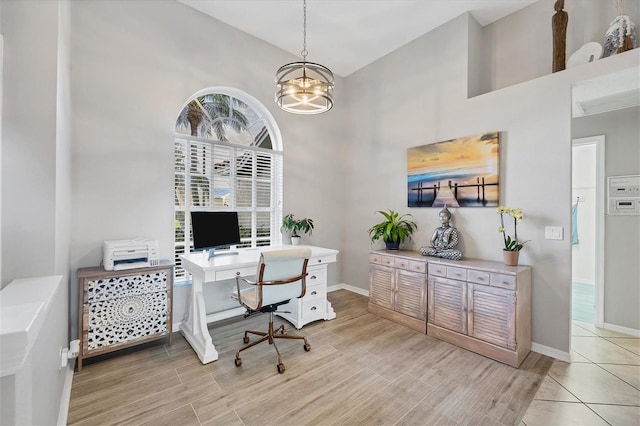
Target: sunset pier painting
<point>460,172</point>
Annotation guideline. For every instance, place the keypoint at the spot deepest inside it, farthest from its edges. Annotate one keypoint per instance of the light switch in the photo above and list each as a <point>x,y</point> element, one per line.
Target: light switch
<point>553,233</point>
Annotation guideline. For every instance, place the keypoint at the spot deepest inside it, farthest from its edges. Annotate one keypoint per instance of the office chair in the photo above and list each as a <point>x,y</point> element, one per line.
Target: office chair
<point>281,276</point>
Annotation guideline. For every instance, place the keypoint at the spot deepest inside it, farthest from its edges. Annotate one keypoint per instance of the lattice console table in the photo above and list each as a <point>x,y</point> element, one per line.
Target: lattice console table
<point>119,309</point>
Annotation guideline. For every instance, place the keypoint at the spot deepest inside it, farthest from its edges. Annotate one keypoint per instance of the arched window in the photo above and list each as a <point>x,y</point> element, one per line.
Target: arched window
<point>228,157</point>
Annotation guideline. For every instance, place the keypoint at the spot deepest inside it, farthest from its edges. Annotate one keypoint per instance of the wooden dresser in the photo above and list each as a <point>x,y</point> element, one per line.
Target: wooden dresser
<point>119,309</point>
<point>481,306</point>
<point>398,287</point>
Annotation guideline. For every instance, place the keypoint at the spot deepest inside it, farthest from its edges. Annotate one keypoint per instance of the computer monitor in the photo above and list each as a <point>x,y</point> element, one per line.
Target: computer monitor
<point>212,230</point>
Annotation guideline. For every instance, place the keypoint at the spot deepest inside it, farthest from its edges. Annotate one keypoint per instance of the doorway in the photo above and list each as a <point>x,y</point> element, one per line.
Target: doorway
<point>587,230</point>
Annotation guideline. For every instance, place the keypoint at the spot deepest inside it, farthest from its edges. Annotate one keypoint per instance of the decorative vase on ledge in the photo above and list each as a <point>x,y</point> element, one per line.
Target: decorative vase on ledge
<point>511,257</point>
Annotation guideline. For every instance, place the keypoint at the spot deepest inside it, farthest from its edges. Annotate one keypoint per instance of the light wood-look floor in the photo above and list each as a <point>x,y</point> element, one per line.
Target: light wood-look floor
<point>361,370</point>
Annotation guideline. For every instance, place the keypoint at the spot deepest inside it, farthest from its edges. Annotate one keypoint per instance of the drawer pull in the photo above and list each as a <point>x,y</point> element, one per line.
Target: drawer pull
<point>313,308</point>
<point>313,293</point>
<point>319,260</point>
<point>480,279</point>
<point>130,309</point>
<point>313,277</point>
<point>238,273</point>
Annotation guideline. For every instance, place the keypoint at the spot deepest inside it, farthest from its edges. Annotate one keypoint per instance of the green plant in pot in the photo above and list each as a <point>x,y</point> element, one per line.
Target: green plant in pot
<point>293,225</point>
<point>393,230</point>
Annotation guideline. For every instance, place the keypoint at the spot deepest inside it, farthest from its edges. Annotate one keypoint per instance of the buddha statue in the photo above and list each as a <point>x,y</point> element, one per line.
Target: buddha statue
<point>444,240</point>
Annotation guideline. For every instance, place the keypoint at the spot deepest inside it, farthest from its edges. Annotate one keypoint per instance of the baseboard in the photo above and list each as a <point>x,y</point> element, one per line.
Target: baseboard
<point>66,393</point>
<point>353,289</point>
<point>552,352</point>
<point>624,330</point>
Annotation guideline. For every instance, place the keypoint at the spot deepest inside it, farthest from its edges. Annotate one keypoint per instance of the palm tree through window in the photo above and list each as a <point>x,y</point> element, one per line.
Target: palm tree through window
<point>227,158</point>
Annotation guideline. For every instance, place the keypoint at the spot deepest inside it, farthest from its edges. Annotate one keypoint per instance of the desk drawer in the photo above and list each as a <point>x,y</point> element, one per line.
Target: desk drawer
<point>314,308</point>
<point>229,274</point>
<point>316,291</point>
<point>322,260</point>
<point>317,275</point>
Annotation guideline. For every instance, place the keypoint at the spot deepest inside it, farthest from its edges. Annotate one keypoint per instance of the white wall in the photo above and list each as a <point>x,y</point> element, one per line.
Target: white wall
<point>418,95</point>
<point>622,245</point>
<point>134,65</point>
<point>36,185</point>
<point>29,138</point>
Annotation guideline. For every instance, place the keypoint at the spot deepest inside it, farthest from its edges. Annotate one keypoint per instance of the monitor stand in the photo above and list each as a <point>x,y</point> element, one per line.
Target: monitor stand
<point>213,252</point>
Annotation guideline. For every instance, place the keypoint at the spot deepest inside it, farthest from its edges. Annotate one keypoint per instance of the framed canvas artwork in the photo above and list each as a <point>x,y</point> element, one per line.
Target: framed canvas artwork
<point>459,172</point>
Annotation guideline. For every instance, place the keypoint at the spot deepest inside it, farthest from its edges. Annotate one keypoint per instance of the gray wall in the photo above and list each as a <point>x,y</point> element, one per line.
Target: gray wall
<point>418,95</point>
<point>521,44</point>
<point>134,65</point>
<point>622,243</point>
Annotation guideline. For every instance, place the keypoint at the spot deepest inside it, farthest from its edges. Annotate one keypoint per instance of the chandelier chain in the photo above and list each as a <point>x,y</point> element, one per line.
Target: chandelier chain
<point>304,32</point>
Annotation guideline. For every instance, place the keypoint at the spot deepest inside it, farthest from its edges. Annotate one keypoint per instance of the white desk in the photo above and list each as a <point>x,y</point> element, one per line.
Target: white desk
<point>225,267</point>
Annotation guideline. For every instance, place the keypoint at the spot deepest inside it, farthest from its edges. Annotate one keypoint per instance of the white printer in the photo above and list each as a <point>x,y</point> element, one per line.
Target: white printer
<point>130,254</point>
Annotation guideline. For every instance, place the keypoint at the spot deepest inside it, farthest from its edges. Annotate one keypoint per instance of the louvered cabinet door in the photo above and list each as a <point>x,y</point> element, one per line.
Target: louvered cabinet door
<point>381,285</point>
<point>410,295</point>
<point>448,303</point>
<point>492,315</point>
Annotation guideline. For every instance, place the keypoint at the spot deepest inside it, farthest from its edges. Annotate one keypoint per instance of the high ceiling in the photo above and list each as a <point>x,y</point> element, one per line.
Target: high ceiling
<point>346,35</point>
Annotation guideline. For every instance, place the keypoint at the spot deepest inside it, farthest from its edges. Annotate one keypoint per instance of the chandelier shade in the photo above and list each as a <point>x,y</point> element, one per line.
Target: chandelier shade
<point>304,87</point>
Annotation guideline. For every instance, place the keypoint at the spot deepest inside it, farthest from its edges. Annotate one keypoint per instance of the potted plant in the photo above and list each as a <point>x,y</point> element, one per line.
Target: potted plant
<point>512,246</point>
<point>393,230</point>
<point>293,225</point>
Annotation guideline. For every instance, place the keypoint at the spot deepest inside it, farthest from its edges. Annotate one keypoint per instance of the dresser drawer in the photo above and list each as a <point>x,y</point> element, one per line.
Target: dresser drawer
<point>126,309</point>
<point>106,336</point>
<point>127,285</point>
<point>249,271</point>
<point>503,281</point>
<point>456,273</point>
<point>478,277</point>
<point>437,270</point>
<point>381,260</point>
<point>416,266</point>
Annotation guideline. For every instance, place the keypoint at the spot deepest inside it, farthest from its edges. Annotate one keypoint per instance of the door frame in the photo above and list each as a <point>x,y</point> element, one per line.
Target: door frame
<point>599,142</point>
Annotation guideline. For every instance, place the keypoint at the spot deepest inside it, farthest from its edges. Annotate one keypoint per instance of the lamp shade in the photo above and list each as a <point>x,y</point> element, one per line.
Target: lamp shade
<point>304,88</point>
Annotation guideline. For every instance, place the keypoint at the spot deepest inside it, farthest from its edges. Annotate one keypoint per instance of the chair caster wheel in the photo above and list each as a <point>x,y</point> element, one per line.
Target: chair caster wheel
<point>307,347</point>
<point>280,368</point>
<point>238,362</point>
<point>246,339</point>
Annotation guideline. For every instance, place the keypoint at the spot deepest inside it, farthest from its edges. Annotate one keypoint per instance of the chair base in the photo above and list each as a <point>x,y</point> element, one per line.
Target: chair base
<point>270,336</point>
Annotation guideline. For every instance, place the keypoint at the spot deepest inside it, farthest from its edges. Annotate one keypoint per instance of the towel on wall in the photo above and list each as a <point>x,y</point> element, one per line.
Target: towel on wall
<point>574,224</point>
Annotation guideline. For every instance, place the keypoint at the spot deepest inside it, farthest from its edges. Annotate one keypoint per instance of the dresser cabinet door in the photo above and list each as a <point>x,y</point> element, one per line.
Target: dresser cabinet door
<point>492,315</point>
<point>448,303</point>
<point>381,285</point>
<point>410,297</point>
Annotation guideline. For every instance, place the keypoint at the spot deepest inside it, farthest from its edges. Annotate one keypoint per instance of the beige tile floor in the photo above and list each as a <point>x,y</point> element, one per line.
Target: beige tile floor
<point>600,387</point>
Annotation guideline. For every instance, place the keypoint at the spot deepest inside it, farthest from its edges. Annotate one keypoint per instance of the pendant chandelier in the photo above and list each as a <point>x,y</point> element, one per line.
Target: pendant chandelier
<point>304,87</point>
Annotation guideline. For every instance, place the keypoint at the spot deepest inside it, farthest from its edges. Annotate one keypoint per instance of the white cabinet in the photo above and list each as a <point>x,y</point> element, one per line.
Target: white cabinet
<point>397,287</point>
<point>313,305</point>
<point>481,306</point>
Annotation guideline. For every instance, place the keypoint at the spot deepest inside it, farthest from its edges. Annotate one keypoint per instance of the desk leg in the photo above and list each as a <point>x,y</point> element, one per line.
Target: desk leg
<point>331,314</point>
<point>194,325</point>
